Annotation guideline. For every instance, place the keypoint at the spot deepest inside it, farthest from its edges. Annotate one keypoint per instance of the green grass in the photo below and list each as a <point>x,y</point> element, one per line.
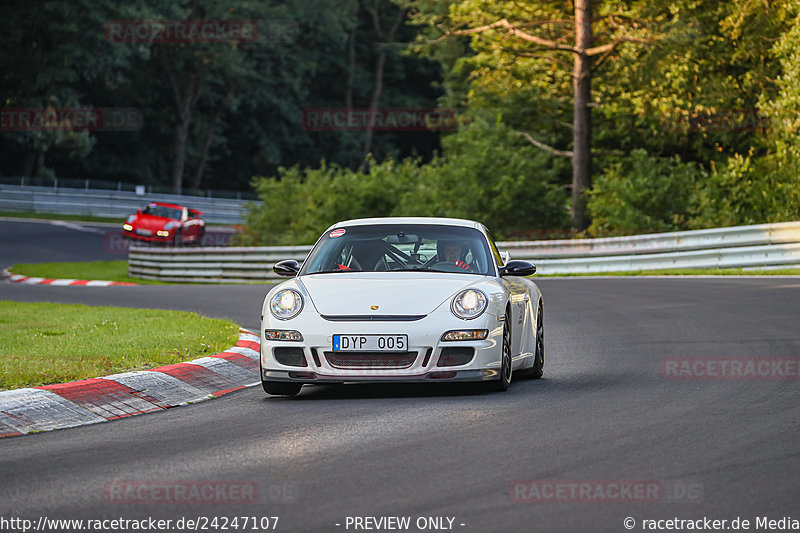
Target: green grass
<point>43,343</point>
<point>99,270</point>
<point>687,272</point>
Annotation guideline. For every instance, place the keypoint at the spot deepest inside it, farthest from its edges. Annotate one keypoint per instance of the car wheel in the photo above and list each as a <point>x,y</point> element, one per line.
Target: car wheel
<point>504,382</point>
<point>537,369</point>
<point>281,388</point>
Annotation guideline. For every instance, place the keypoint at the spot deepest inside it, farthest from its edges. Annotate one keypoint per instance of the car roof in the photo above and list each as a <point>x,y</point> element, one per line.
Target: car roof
<point>167,204</point>
<point>433,221</point>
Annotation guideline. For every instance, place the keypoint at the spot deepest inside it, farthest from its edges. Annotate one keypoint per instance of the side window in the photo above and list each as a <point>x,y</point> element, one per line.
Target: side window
<point>495,252</point>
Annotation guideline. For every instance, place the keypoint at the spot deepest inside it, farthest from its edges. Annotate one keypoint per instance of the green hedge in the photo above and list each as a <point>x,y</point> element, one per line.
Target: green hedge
<point>486,173</point>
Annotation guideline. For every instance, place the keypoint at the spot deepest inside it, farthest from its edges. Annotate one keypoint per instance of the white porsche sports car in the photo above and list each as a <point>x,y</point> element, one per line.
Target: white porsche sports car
<point>403,300</point>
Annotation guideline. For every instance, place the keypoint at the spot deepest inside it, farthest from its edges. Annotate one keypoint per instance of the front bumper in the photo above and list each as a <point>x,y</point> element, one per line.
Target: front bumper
<point>131,234</point>
<point>425,350</point>
<point>440,374</point>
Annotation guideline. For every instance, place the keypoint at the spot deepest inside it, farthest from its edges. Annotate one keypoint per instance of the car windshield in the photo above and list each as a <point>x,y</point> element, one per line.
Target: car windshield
<point>394,247</point>
<point>162,211</point>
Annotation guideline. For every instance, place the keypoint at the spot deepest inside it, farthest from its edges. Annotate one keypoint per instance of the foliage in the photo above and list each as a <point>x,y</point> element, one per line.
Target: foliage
<point>249,94</point>
<point>490,173</point>
<point>643,193</point>
<point>486,172</point>
<point>651,102</point>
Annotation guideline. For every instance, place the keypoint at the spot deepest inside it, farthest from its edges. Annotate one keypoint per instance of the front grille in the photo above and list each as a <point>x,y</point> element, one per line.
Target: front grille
<point>380,360</point>
<point>373,318</point>
<point>455,356</point>
<point>290,355</point>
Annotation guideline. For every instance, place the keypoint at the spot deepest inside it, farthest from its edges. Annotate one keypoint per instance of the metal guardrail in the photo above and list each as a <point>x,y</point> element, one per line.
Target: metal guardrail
<point>678,241</point>
<point>758,246</point>
<point>107,203</point>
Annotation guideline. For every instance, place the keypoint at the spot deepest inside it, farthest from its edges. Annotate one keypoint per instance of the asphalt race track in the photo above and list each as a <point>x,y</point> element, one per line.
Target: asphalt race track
<point>40,241</point>
<point>604,415</point>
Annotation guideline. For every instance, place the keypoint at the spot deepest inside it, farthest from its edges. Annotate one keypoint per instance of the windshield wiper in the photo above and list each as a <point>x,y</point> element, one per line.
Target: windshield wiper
<point>333,270</point>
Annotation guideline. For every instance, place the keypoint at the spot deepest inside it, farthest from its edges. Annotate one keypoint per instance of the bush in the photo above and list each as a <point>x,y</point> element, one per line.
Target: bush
<point>643,193</point>
<point>751,190</point>
<point>487,173</point>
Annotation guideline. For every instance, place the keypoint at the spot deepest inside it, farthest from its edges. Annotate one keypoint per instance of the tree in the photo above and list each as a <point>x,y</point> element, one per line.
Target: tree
<point>510,29</point>
<point>49,58</point>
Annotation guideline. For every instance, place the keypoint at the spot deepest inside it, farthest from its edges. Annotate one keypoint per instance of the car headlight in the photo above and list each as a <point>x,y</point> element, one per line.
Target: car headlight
<point>282,335</point>
<point>469,304</point>
<point>130,219</point>
<point>286,304</point>
<point>171,225</point>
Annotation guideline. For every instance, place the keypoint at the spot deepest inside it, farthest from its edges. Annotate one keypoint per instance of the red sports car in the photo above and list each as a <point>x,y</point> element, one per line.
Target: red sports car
<point>167,223</point>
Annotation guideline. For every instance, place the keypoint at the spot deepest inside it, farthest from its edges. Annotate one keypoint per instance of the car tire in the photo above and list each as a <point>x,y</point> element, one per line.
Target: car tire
<point>281,388</point>
<point>504,382</point>
<point>536,371</point>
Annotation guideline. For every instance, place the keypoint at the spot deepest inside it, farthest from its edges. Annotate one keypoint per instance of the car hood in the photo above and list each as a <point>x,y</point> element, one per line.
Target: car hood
<point>151,222</point>
<point>395,293</point>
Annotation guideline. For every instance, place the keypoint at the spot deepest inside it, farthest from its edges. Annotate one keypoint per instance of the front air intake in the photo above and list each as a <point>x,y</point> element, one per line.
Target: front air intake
<point>456,356</point>
<point>289,355</point>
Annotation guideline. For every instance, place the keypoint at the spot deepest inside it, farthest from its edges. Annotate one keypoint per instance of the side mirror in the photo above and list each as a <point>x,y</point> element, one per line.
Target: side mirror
<point>518,268</point>
<point>138,211</point>
<point>288,268</point>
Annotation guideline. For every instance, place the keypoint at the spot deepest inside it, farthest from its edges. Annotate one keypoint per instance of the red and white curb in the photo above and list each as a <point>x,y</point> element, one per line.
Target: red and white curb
<point>19,278</point>
<point>90,401</point>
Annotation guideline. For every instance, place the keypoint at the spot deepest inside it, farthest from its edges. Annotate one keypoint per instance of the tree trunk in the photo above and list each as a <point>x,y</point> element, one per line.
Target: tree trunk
<point>179,155</point>
<point>377,91</point>
<point>185,102</point>
<point>30,163</point>
<point>380,64</point>
<point>209,137</point>
<point>582,118</point>
<point>351,69</point>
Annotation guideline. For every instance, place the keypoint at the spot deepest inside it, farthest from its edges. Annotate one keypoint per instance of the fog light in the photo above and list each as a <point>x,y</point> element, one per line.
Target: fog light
<point>162,233</point>
<point>466,335</point>
<point>127,227</point>
<point>282,335</point>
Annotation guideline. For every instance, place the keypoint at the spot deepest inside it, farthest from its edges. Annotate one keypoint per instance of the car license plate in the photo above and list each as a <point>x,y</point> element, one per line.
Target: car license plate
<point>145,232</point>
<point>370,343</point>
